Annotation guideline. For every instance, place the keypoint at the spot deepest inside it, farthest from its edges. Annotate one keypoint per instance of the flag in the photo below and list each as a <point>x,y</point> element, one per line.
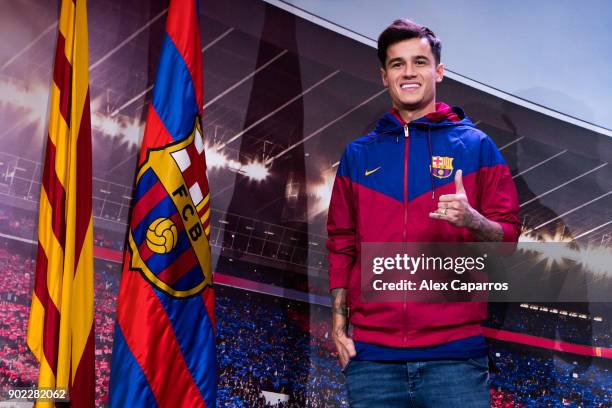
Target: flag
<point>60,328</point>
<point>164,347</point>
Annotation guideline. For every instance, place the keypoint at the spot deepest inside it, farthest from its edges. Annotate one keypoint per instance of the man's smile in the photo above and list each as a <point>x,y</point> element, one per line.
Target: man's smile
<point>409,86</point>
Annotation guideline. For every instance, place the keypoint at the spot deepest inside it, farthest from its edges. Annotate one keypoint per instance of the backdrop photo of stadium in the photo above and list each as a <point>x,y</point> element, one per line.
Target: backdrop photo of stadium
<point>282,97</point>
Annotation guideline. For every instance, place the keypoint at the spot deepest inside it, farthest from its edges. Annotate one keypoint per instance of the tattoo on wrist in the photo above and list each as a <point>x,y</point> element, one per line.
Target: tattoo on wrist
<point>340,331</point>
<point>341,310</point>
<point>484,229</point>
<point>338,296</point>
<point>470,219</point>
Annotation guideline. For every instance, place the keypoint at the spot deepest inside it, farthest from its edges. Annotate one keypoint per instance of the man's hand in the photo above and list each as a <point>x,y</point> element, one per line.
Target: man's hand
<point>456,209</point>
<point>345,347</point>
<point>344,344</point>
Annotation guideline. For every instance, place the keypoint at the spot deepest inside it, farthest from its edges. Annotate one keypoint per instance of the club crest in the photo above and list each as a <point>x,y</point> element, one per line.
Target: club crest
<point>169,229</point>
<point>441,166</point>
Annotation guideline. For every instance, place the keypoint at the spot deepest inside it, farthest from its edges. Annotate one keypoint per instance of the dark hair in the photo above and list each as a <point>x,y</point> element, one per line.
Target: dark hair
<point>404,29</point>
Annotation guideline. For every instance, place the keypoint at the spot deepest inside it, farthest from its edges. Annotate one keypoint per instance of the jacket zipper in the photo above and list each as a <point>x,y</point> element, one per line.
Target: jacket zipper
<point>405,229</point>
<point>406,143</point>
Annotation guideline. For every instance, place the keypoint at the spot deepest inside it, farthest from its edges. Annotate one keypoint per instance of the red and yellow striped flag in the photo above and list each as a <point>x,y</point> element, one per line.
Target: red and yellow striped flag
<point>61,328</point>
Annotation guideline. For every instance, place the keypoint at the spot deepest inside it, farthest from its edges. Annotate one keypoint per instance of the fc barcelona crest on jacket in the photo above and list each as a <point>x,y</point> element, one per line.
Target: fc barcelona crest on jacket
<point>441,166</point>
<point>170,219</point>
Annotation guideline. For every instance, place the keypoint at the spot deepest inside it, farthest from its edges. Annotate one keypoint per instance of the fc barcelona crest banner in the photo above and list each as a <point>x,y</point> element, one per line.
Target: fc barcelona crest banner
<point>164,347</point>
<point>170,219</point>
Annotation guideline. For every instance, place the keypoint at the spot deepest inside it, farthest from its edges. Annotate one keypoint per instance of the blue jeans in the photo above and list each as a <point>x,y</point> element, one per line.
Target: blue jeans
<point>422,384</point>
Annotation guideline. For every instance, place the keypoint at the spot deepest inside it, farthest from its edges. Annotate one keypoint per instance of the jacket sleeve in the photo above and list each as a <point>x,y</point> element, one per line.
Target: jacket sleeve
<point>341,228</point>
<point>498,198</point>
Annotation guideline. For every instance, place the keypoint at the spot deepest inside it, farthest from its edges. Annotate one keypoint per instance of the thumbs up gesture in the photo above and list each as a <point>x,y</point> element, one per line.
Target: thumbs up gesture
<point>455,208</point>
<point>459,189</point>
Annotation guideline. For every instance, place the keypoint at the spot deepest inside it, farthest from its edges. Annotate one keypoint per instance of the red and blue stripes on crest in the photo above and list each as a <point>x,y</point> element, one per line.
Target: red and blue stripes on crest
<point>178,268</point>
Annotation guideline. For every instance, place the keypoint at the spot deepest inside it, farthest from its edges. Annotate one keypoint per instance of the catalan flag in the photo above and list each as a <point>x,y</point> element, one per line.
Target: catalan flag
<point>164,347</point>
<point>60,329</point>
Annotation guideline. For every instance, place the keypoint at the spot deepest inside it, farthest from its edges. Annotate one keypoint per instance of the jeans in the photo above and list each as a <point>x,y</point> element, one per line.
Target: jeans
<point>422,384</point>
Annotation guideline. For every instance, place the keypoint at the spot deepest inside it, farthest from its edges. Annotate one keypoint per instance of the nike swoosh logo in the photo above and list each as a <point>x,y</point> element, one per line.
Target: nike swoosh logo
<point>368,172</point>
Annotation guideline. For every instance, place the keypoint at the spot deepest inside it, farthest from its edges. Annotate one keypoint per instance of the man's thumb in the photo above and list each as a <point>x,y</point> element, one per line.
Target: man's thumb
<point>350,347</point>
<point>459,182</point>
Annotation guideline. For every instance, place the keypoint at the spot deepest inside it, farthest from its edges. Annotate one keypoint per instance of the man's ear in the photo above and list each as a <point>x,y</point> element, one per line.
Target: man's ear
<point>439,72</point>
<point>383,76</point>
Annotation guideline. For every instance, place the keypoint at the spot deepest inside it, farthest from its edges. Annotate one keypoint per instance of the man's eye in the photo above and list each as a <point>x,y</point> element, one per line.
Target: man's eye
<point>396,65</point>
<point>420,62</point>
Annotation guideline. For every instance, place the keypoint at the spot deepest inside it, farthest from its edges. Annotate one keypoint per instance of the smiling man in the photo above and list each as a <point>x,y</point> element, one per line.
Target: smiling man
<point>425,174</point>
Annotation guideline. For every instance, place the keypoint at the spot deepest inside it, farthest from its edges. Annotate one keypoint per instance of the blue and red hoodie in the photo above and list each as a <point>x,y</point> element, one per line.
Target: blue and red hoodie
<point>387,183</point>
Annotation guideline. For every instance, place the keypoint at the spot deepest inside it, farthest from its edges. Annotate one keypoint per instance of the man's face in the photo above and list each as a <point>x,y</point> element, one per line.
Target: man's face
<point>411,74</point>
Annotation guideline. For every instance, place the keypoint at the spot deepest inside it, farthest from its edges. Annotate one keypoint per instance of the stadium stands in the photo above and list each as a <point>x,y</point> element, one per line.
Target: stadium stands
<point>273,344</point>
<point>586,330</point>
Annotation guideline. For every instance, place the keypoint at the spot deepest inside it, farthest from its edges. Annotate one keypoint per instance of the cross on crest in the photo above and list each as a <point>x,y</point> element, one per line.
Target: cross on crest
<point>192,163</point>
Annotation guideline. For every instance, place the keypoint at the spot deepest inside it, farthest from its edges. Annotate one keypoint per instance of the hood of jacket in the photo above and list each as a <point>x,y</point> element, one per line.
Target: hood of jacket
<point>444,116</point>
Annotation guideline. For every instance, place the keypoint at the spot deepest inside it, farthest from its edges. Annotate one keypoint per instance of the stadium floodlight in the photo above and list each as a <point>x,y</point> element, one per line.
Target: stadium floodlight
<point>530,235</point>
<point>30,98</point>
<point>127,129</point>
<point>321,192</point>
<point>596,259</point>
<point>255,170</point>
<point>132,132</point>
<point>215,159</point>
<point>233,165</point>
<point>554,255</point>
<point>105,124</point>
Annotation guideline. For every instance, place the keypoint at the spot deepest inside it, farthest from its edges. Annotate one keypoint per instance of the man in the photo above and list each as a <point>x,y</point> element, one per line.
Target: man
<point>425,174</point>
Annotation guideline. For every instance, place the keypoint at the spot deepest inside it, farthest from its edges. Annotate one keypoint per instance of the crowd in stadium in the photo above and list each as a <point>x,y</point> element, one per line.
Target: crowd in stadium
<point>274,276</point>
<point>272,344</point>
<point>552,325</point>
<point>277,342</point>
<point>262,347</point>
<point>106,289</point>
<point>17,222</point>
<point>540,379</point>
<point>18,367</point>
<point>111,240</point>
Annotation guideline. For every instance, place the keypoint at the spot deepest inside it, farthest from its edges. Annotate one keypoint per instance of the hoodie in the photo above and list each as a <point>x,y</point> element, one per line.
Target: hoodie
<point>387,183</point>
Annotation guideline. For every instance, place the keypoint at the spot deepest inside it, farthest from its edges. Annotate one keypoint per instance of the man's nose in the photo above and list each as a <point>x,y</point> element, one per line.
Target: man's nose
<point>409,71</point>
